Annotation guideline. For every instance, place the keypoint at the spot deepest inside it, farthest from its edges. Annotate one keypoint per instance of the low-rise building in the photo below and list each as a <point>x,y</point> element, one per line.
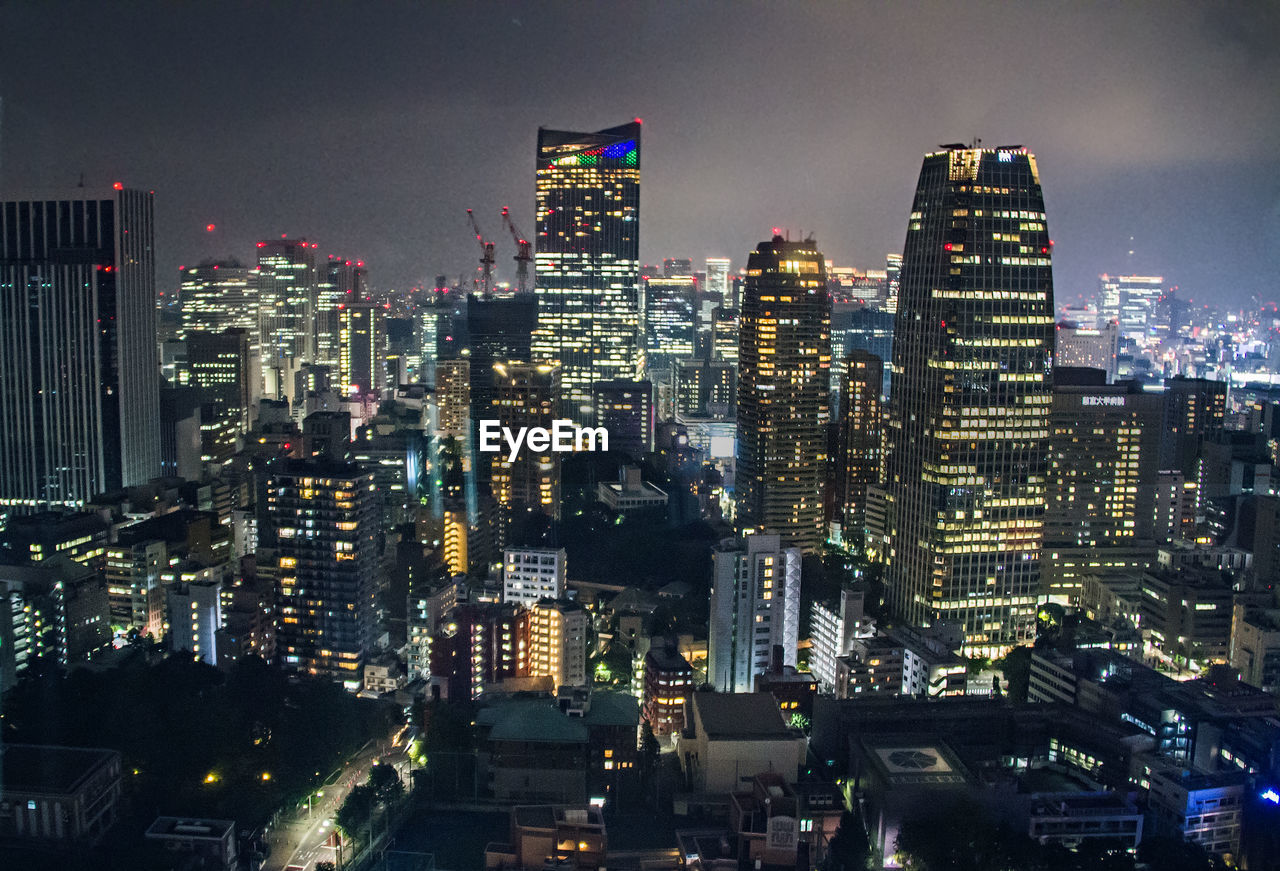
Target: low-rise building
<point>52,793</point>
<point>731,735</point>
<point>668,683</point>
<point>631,494</point>
<point>552,836</point>
<point>1255,646</point>
<point>1204,808</point>
<point>1072,818</point>
<point>210,843</point>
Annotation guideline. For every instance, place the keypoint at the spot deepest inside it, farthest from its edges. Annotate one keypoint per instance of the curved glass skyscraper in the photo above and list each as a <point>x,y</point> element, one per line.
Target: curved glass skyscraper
<point>968,436</point>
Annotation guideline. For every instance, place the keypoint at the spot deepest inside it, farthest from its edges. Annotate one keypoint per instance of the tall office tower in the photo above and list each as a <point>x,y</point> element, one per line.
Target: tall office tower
<point>532,573</point>
<point>526,397</point>
<point>968,432</point>
<point>784,365</point>
<point>219,365</point>
<point>588,260</point>
<point>625,410</point>
<point>360,358</point>
<point>677,266</point>
<point>558,642</point>
<point>1088,347</point>
<point>79,369</point>
<point>724,334</point>
<point>339,283</point>
<point>718,278</point>
<point>857,460</point>
<point>1104,458</point>
<point>670,320</point>
<point>219,295</point>
<point>706,388</point>
<point>324,518</point>
<point>1131,301</point>
<point>893,282</point>
<point>755,604</point>
<point>180,437</point>
<point>453,398</point>
<point>287,302</point>
<point>498,329</point>
<point>1194,408</point>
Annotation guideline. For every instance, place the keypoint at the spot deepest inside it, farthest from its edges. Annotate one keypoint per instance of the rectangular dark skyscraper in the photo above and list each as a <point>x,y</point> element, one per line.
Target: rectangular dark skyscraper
<point>968,435</point>
<point>79,371</point>
<point>588,259</point>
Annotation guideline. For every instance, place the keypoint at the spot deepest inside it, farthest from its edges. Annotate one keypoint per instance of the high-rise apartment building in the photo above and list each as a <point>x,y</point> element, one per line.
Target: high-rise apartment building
<point>1105,450</point>
<point>220,367</point>
<point>79,367</point>
<point>588,259</point>
<point>857,459</point>
<point>968,430</point>
<point>324,518</point>
<point>453,398</point>
<point>784,364</point>
<point>287,291</point>
<point>219,295</point>
<point>670,320</point>
<point>558,642</point>
<point>755,605</point>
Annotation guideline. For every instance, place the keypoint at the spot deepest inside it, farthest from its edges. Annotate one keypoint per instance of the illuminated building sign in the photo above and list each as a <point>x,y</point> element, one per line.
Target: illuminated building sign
<point>1103,400</point>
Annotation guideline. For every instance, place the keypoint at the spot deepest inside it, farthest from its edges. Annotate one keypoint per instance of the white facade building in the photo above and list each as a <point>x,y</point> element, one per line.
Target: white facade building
<point>532,573</point>
<point>755,604</point>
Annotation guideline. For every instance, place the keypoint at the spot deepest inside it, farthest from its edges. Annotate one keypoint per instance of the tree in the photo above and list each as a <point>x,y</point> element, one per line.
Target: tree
<point>1016,667</point>
<point>849,847</point>
<point>326,866</point>
<point>355,810</point>
<point>385,782</point>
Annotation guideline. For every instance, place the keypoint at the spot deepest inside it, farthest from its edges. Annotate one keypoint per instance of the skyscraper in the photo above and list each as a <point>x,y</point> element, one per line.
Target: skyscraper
<point>339,283</point>
<point>218,364</point>
<point>79,369</point>
<point>755,604</point>
<point>784,364</point>
<point>287,301</point>
<point>1104,461</point>
<point>857,460</point>
<point>588,259</point>
<point>219,295</point>
<point>968,433</point>
<point>670,326</point>
<point>525,398</point>
<point>360,358</point>
<point>718,278</point>
<point>324,517</point>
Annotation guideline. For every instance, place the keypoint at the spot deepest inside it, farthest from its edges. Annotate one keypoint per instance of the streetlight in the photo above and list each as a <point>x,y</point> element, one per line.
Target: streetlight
<point>319,794</point>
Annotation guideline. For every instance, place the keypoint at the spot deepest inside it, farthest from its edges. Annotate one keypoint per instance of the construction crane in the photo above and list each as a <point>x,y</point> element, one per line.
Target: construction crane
<point>524,252</point>
<point>486,255</point>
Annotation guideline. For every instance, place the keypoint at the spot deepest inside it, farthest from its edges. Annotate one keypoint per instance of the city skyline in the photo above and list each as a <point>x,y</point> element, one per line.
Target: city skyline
<point>1168,110</point>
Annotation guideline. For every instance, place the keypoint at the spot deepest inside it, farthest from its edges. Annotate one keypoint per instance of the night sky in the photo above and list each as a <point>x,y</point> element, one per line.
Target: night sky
<point>371,128</point>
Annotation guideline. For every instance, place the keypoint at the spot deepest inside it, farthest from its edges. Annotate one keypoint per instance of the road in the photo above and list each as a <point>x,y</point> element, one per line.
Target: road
<point>300,836</point>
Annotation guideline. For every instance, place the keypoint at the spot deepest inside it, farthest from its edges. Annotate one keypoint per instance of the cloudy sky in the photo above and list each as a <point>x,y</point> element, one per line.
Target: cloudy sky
<point>372,127</point>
